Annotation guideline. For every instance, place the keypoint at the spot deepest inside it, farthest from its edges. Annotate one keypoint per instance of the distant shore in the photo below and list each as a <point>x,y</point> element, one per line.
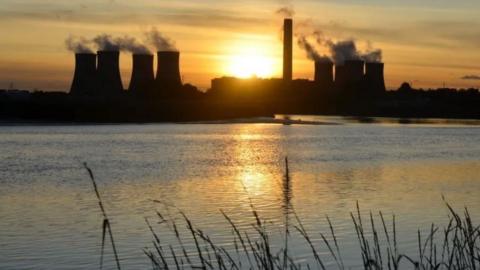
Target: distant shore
<point>314,120</point>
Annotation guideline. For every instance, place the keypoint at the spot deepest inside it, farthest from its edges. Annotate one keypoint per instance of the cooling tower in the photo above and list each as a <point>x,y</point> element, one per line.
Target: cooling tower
<point>324,73</point>
<point>84,77</point>
<point>287,49</point>
<point>168,70</point>
<point>340,78</point>
<point>374,77</point>
<point>354,72</point>
<point>142,73</point>
<point>109,81</point>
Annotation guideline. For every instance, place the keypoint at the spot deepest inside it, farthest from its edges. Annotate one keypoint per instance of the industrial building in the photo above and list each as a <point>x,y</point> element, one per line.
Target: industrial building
<point>142,73</point>
<point>99,74</point>
<point>84,77</point>
<point>352,76</point>
<point>109,81</point>
<point>287,50</point>
<point>168,70</point>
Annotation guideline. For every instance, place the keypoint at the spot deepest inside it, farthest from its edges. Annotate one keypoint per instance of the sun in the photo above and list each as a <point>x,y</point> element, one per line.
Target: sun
<point>250,61</point>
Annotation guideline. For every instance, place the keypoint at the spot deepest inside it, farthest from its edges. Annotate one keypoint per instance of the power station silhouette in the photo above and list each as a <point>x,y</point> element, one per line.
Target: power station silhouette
<point>347,83</point>
<point>99,75</point>
<point>352,77</point>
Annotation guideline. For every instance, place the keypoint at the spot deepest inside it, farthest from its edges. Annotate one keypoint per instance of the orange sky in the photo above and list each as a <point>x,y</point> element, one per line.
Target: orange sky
<point>427,43</point>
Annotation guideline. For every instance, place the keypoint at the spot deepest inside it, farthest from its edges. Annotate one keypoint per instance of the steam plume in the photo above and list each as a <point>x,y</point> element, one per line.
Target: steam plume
<point>78,45</point>
<point>287,11</point>
<point>372,55</point>
<point>340,51</point>
<point>312,53</point>
<point>160,41</point>
<point>471,77</point>
<point>105,42</point>
<point>130,44</point>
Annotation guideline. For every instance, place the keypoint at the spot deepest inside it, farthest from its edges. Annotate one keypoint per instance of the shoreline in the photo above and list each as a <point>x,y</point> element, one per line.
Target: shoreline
<point>279,119</point>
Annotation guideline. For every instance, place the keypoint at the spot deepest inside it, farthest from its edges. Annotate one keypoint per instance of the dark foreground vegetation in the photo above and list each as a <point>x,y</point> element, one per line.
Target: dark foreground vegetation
<point>188,104</point>
<point>453,246</point>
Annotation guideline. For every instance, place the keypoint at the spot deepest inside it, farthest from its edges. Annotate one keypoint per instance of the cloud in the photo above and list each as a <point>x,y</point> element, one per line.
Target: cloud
<point>206,17</point>
<point>471,77</point>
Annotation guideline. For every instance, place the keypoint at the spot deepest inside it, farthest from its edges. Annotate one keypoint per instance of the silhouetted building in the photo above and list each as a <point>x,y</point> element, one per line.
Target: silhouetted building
<point>109,81</point>
<point>324,73</point>
<point>354,72</point>
<point>287,49</point>
<point>374,77</point>
<point>340,78</point>
<point>168,70</point>
<point>142,73</point>
<point>84,77</point>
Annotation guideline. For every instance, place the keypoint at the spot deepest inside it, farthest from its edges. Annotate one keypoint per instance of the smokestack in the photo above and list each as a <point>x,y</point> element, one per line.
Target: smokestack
<point>109,81</point>
<point>168,70</point>
<point>84,77</point>
<point>142,73</point>
<point>374,77</point>
<point>354,72</point>
<point>324,73</point>
<point>287,49</point>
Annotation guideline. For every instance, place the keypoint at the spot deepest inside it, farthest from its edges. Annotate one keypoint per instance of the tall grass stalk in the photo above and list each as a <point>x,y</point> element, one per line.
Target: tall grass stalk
<point>453,247</point>
<point>106,227</point>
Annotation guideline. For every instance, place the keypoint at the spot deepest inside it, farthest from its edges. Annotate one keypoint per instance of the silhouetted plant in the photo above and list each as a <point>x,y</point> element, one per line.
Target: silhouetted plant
<point>106,227</point>
<point>454,247</point>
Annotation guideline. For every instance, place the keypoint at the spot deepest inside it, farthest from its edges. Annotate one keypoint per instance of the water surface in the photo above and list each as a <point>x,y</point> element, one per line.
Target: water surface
<point>50,217</point>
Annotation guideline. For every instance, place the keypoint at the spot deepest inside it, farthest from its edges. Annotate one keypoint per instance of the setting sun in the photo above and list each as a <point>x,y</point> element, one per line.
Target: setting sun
<point>251,61</point>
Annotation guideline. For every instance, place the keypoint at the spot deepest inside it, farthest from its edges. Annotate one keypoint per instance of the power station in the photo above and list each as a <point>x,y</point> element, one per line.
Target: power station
<point>99,75</point>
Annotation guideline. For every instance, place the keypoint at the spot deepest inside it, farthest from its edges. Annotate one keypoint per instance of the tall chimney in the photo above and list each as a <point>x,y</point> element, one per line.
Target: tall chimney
<point>109,81</point>
<point>168,70</point>
<point>374,77</point>
<point>142,73</point>
<point>354,72</point>
<point>287,49</point>
<point>324,73</point>
<point>84,77</point>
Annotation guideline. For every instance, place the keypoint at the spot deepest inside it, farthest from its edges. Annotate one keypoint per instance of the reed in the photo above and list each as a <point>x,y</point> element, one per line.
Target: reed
<point>106,226</point>
<point>455,246</point>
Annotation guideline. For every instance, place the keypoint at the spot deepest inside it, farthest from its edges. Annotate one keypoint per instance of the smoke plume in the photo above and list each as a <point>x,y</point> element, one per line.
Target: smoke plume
<point>471,77</point>
<point>126,43</point>
<point>78,45</point>
<point>344,50</point>
<point>286,12</point>
<point>160,41</point>
<point>130,44</point>
<point>312,53</point>
<point>339,51</point>
<point>372,55</point>
<point>347,50</point>
<point>105,42</point>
